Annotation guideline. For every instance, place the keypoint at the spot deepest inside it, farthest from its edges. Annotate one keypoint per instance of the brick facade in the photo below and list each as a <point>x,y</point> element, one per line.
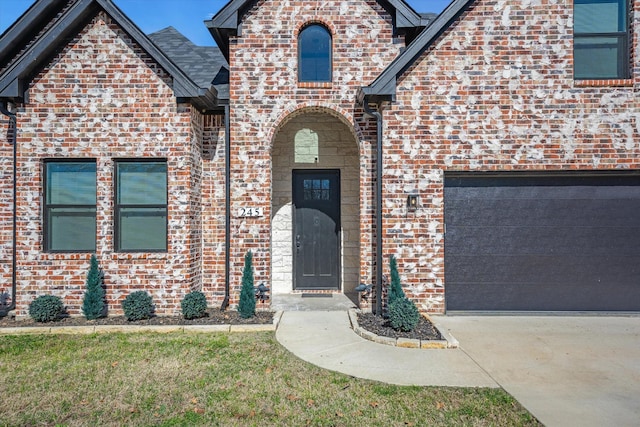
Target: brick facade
<point>495,91</point>
<point>103,98</point>
<point>6,207</point>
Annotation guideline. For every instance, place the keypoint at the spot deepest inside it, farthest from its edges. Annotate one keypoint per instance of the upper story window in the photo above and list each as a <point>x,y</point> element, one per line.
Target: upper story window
<point>601,39</point>
<point>70,206</point>
<point>314,54</point>
<point>141,206</point>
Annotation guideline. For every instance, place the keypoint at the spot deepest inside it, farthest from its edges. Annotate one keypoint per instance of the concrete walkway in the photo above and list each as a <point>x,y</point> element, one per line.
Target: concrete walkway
<point>325,338</point>
<point>566,371</point>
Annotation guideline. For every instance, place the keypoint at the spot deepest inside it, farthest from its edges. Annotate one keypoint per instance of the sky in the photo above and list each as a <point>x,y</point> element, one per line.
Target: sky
<point>186,16</point>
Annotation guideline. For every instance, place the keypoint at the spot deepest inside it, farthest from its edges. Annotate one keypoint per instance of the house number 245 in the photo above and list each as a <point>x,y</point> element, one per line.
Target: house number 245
<point>250,212</point>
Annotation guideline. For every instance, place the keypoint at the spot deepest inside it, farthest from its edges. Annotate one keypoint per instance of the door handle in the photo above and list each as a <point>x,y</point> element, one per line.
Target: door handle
<point>298,244</point>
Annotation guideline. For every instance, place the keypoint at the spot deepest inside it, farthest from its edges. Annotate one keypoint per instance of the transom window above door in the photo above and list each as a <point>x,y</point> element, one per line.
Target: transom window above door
<point>314,54</point>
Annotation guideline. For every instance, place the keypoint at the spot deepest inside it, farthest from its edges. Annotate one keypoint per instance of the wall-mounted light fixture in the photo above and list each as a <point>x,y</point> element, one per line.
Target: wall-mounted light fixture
<point>412,202</point>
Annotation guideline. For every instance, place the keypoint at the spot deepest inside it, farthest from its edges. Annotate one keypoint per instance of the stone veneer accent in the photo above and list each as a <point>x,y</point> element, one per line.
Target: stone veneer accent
<point>314,141</point>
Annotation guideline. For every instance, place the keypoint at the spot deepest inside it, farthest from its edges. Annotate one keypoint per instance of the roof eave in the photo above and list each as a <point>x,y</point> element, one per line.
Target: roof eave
<point>12,80</point>
<point>220,36</point>
<point>25,24</point>
<point>42,48</point>
<point>405,16</point>
<point>368,95</point>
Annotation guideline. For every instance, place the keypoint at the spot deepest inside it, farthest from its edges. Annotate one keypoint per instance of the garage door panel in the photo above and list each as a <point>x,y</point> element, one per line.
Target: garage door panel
<point>544,240</point>
<point>564,242</point>
<point>541,211</point>
<point>541,296</point>
<point>515,270</point>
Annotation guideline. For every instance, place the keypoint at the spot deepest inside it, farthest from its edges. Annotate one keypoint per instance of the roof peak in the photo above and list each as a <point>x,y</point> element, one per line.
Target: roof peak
<point>47,25</point>
<point>226,22</point>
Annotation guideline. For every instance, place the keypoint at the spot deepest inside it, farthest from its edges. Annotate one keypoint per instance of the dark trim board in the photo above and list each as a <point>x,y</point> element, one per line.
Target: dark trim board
<point>546,242</point>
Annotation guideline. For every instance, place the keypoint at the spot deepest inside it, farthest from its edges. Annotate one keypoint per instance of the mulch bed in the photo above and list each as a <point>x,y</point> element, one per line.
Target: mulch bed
<point>213,317</point>
<point>381,327</point>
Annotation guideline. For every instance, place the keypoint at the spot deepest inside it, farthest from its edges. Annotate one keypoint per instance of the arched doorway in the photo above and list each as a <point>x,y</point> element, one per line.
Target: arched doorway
<point>316,205</point>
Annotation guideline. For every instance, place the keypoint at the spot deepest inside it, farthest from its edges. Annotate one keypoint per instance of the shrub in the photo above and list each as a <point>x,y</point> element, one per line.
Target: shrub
<point>138,305</point>
<point>403,315</point>
<point>46,308</point>
<point>93,305</point>
<point>194,305</point>
<point>395,291</point>
<point>247,305</point>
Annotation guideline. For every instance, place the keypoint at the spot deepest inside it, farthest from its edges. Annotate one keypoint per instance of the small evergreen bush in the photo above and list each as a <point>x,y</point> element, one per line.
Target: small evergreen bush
<point>46,308</point>
<point>395,291</point>
<point>247,305</point>
<point>403,315</point>
<point>194,305</point>
<point>93,305</point>
<point>138,305</point>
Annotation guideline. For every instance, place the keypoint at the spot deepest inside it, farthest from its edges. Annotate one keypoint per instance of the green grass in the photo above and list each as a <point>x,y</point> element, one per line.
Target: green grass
<point>215,379</point>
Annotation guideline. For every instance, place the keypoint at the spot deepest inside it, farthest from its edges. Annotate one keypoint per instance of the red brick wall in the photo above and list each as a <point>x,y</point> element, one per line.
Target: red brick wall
<point>103,98</point>
<point>6,208</point>
<point>213,210</point>
<point>495,92</point>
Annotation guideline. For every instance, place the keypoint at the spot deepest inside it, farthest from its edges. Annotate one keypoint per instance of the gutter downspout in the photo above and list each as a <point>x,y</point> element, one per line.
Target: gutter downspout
<point>14,122</point>
<point>227,205</point>
<point>379,269</point>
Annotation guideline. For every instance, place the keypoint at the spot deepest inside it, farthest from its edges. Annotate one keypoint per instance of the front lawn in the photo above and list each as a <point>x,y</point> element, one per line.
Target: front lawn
<point>243,379</point>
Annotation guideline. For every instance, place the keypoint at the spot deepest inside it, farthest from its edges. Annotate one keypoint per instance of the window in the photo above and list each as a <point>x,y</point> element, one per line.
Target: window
<point>316,189</point>
<point>141,206</point>
<point>70,206</point>
<point>314,54</point>
<point>600,39</point>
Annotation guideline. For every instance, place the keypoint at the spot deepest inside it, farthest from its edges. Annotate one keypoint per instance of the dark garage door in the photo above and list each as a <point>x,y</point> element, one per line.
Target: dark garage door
<point>549,243</point>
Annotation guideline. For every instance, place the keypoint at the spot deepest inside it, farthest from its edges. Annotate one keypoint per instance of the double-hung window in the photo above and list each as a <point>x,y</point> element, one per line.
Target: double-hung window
<point>141,206</point>
<point>314,54</point>
<point>70,206</point>
<point>601,39</point>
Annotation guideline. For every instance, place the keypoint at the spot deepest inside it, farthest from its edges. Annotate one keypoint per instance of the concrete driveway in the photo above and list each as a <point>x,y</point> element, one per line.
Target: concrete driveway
<point>567,371</point>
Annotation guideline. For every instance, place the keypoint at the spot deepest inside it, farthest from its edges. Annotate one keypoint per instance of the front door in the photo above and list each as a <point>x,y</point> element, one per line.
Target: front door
<point>316,234</point>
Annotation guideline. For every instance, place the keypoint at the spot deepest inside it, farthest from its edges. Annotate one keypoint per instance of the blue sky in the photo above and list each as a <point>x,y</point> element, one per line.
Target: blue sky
<point>185,15</point>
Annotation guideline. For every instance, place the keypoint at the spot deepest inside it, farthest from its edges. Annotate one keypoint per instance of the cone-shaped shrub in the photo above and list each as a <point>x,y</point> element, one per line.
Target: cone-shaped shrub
<point>247,305</point>
<point>395,290</point>
<point>93,305</point>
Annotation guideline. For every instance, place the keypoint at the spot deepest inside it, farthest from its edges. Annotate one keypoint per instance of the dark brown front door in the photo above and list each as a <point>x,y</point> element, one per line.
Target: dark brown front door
<point>316,234</point>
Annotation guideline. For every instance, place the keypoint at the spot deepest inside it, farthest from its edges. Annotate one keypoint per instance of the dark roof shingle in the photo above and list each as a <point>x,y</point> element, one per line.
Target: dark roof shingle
<point>205,65</point>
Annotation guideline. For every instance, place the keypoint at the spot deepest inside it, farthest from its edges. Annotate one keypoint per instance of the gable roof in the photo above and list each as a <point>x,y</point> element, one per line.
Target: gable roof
<point>384,86</point>
<point>47,25</point>
<point>227,21</point>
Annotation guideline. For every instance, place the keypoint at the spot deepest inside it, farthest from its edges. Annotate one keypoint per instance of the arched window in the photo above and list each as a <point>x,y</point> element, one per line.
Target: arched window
<point>314,54</point>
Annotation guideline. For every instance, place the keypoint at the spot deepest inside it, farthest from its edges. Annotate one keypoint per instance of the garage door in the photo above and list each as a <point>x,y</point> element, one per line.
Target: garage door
<point>559,243</point>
